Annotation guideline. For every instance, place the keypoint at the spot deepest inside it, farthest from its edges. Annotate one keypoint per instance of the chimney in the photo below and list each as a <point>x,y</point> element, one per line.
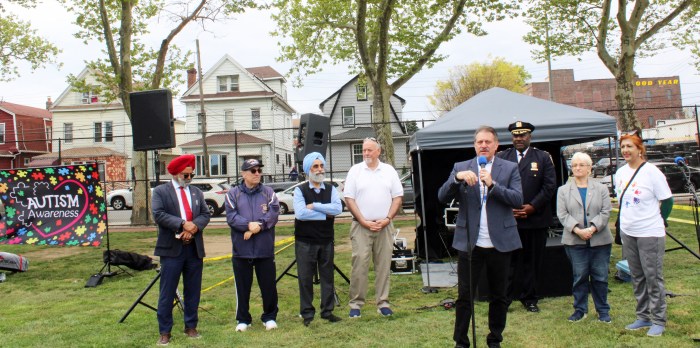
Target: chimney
<point>49,103</point>
<point>191,77</point>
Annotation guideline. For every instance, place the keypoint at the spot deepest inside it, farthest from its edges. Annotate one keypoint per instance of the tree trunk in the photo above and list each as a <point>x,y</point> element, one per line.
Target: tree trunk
<point>624,94</point>
<point>140,213</point>
<point>381,120</point>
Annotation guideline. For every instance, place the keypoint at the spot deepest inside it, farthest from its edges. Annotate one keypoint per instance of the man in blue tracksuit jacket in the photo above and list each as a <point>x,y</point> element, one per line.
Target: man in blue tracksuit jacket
<point>252,210</point>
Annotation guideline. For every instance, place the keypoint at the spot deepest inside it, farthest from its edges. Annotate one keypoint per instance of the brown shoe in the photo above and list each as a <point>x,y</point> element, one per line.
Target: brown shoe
<point>192,333</point>
<point>164,339</point>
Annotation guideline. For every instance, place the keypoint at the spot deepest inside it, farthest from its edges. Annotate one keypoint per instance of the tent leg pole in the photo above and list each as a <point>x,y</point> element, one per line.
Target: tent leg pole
<point>426,289</point>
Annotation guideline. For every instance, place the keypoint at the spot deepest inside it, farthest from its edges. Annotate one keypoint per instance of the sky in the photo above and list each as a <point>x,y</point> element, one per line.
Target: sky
<point>248,41</point>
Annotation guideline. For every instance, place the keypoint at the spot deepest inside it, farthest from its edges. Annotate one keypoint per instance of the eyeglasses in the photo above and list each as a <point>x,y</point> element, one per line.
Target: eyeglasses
<point>372,139</point>
<point>632,133</point>
<point>255,171</point>
<point>188,176</point>
<point>582,165</point>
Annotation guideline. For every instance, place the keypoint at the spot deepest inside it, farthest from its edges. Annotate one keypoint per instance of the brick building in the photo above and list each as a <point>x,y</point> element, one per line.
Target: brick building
<point>656,98</point>
<point>24,133</point>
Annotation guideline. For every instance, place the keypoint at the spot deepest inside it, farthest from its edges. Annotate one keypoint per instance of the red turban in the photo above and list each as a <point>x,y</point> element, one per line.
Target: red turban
<point>179,164</point>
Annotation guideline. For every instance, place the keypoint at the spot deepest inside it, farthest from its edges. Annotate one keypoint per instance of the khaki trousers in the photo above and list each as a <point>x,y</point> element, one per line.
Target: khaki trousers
<point>379,246</point>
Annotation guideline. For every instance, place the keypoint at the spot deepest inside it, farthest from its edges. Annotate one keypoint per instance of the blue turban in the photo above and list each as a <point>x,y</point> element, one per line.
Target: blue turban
<point>309,161</point>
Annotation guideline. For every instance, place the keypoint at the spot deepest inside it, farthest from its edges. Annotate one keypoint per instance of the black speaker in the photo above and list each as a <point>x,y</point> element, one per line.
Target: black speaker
<point>152,122</point>
<point>313,135</point>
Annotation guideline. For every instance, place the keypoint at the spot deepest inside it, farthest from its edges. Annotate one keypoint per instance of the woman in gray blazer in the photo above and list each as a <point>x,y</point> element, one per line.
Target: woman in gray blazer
<point>583,208</point>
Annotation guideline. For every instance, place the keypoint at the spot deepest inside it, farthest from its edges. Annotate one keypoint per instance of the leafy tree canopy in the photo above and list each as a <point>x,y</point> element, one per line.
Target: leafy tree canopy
<point>466,81</point>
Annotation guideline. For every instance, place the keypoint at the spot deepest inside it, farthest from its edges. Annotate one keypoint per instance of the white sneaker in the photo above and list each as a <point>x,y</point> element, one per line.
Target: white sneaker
<point>241,327</point>
<point>270,325</point>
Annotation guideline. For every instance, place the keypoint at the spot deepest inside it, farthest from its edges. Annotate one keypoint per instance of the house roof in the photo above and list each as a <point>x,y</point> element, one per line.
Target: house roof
<point>227,139</point>
<point>77,152</point>
<point>195,97</point>
<point>23,110</point>
<point>265,72</point>
<point>361,133</point>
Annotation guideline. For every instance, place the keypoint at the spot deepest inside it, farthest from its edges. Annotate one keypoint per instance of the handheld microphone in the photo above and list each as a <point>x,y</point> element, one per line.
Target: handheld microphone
<point>680,161</point>
<point>482,161</point>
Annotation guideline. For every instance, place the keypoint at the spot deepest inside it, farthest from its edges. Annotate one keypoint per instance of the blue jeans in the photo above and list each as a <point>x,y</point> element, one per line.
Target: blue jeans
<point>590,267</point>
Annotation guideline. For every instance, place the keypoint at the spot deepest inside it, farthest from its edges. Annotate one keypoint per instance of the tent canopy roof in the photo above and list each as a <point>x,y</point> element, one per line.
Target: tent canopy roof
<point>499,107</point>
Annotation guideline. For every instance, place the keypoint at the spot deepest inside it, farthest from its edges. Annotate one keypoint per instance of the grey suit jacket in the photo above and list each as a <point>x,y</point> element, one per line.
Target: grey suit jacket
<point>166,213</point>
<point>505,195</point>
<point>570,212</point>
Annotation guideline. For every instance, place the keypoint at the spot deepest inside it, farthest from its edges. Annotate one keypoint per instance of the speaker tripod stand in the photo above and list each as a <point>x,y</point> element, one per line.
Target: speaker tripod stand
<point>694,204</point>
<point>316,278</point>
<point>139,300</point>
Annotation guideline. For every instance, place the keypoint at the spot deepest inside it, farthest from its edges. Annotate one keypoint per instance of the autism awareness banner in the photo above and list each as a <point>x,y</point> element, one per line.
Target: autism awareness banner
<point>61,205</point>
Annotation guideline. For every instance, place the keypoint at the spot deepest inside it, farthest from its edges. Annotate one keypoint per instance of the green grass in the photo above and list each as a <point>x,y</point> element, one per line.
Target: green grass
<point>49,306</point>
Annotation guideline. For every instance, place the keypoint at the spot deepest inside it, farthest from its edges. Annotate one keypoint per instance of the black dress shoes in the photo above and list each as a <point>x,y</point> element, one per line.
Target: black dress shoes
<point>531,307</point>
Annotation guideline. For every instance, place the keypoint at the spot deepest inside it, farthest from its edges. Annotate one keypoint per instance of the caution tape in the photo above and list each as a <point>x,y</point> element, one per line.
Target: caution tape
<point>287,242</point>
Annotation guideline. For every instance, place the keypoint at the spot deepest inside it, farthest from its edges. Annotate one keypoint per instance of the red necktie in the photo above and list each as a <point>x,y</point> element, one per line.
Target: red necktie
<point>186,204</point>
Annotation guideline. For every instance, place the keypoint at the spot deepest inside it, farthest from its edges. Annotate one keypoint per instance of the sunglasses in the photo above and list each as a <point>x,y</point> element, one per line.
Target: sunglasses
<point>188,176</point>
<point>256,171</point>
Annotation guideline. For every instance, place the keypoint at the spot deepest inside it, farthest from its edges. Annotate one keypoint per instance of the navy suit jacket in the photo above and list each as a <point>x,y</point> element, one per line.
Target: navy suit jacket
<point>505,195</point>
<point>539,181</point>
<point>166,213</point>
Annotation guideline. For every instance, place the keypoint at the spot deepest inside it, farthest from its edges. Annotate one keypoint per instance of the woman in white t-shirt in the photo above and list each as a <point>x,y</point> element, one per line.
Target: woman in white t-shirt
<point>643,233</point>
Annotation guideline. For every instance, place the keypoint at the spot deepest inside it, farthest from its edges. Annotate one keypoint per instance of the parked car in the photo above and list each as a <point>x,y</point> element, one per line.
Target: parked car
<point>286,197</point>
<point>280,186</point>
<point>606,167</point>
<point>214,195</point>
<point>674,177</point>
<point>408,193</point>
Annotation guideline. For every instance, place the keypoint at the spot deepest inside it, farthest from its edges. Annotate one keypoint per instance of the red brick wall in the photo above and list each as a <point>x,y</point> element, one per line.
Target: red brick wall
<point>651,93</point>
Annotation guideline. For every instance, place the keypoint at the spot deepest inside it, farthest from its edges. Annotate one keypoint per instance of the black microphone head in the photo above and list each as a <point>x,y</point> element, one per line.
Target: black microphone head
<point>482,161</point>
<point>679,161</point>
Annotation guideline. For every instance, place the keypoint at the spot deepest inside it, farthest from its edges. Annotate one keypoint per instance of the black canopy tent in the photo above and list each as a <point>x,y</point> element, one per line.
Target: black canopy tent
<point>435,148</point>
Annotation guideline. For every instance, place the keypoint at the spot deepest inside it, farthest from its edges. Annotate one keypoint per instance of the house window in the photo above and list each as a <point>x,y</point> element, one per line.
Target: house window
<point>277,156</point>
<point>98,132</point>
<point>228,120</point>
<point>89,98</point>
<point>348,116</point>
<point>103,132</point>
<point>26,161</point>
<point>361,92</point>
<point>255,116</point>
<point>217,164</point>
<point>228,83</point>
<point>648,96</point>
<point>669,94</point>
<point>48,133</point>
<point>2,133</point>
<point>68,132</point>
<point>651,121</point>
<point>356,153</point>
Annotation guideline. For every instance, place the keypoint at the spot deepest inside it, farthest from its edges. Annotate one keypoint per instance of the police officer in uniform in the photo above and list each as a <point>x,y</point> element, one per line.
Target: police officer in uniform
<point>539,184</point>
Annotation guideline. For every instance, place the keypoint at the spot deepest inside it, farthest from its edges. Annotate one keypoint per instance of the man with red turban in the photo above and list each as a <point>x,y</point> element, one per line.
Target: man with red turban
<point>181,214</point>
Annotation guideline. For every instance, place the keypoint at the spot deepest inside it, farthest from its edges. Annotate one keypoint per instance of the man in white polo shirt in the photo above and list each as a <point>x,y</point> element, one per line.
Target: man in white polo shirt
<point>373,194</point>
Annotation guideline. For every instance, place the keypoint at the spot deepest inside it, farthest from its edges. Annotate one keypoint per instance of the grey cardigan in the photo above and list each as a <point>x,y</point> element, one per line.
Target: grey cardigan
<point>570,212</point>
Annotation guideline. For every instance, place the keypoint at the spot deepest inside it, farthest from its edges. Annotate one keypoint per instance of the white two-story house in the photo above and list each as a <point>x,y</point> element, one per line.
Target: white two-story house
<point>247,116</point>
<point>88,128</point>
<point>350,112</point>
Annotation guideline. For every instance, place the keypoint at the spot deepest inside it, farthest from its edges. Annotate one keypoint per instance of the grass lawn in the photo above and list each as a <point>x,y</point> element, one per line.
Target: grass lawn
<point>49,306</point>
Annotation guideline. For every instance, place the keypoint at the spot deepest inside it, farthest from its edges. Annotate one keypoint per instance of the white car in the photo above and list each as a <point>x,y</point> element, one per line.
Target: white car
<point>286,197</point>
<point>214,194</point>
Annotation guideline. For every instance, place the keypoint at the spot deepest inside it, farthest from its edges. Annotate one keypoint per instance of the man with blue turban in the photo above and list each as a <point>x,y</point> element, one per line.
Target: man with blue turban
<point>315,206</point>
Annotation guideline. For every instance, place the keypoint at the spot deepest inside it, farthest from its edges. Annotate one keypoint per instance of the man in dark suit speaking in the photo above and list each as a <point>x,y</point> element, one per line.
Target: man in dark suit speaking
<point>181,214</point>
<point>534,217</point>
<point>486,231</point>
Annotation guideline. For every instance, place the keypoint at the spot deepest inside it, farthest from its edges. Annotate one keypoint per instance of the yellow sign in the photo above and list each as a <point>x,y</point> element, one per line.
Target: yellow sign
<point>645,83</point>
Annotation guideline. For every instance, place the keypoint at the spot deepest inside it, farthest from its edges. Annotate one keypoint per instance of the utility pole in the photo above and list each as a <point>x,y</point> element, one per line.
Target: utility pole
<point>202,116</point>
